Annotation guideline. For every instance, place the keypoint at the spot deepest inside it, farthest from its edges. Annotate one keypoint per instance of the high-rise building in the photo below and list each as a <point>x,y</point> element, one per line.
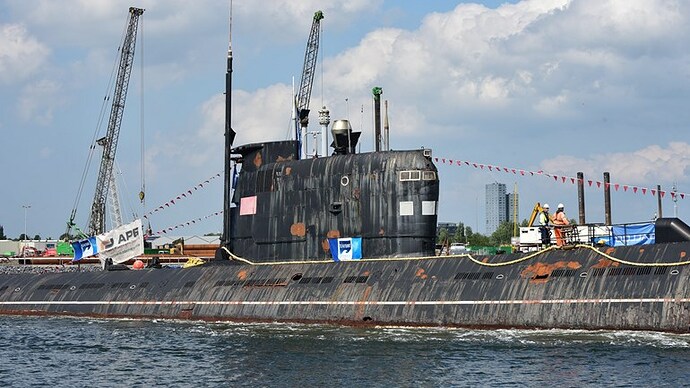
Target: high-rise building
<point>500,206</point>
<point>495,206</point>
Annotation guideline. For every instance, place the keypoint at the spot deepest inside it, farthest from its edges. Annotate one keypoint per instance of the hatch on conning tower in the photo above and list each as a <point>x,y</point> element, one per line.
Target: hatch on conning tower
<point>344,140</point>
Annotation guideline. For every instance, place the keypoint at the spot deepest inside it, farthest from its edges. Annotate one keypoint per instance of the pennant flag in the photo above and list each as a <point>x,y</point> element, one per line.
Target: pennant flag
<point>572,180</point>
<point>489,166</point>
<point>555,178</point>
<point>450,161</point>
<point>598,184</point>
<point>616,185</point>
<point>653,191</point>
<point>563,179</point>
<point>635,189</point>
<point>625,187</point>
<point>644,190</point>
<point>506,170</point>
<point>590,183</point>
<point>662,193</point>
<point>436,160</point>
<point>682,195</point>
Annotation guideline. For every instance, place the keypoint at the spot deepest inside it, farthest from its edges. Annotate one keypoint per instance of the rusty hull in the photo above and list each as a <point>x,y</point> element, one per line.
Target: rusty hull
<point>573,291</point>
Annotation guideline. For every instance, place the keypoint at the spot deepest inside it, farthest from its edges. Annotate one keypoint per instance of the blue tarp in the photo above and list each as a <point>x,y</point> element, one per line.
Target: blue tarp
<point>623,235</point>
<point>345,248</point>
<point>84,248</point>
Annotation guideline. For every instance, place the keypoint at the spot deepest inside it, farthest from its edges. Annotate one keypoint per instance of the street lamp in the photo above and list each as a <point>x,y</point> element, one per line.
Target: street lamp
<point>26,207</point>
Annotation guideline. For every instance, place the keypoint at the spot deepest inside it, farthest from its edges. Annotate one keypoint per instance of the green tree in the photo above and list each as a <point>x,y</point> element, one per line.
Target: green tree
<point>37,237</point>
<point>2,233</point>
<point>460,236</point>
<point>503,234</point>
<point>443,236</point>
<point>478,239</point>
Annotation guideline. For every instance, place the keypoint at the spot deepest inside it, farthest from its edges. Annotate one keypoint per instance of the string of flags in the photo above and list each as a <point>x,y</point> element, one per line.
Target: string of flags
<point>185,194</point>
<point>562,178</point>
<point>190,222</point>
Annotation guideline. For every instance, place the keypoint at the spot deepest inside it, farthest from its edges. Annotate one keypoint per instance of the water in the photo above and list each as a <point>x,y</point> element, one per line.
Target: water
<point>78,352</point>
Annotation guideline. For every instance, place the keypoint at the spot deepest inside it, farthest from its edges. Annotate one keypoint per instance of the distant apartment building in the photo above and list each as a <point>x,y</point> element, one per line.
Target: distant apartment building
<point>450,227</point>
<point>500,206</point>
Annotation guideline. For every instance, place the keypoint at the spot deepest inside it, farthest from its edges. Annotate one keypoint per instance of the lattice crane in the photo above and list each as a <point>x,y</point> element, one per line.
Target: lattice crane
<point>304,93</point>
<point>96,223</point>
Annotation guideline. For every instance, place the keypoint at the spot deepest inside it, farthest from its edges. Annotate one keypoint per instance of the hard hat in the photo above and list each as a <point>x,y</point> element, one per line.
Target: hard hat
<point>546,206</point>
<point>560,206</point>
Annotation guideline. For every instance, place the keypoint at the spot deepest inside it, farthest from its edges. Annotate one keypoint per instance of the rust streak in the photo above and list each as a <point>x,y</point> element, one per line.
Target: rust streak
<point>605,263</point>
<point>359,313</point>
<point>242,275</point>
<point>258,161</point>
<point>298,229</point>
<point>540,272</point>
<point>330,234</point>
<point>420,273</point>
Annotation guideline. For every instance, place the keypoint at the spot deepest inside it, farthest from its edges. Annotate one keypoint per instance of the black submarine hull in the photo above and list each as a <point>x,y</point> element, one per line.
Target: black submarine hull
<point>579,288</point>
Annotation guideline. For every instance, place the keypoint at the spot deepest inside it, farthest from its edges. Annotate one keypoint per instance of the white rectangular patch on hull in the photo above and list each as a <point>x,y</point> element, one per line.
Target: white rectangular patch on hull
<point>406,208</point>
<point>428,208</point>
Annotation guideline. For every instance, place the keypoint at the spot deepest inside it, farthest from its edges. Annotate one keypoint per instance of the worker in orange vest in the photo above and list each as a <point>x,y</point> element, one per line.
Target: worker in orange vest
<point>559,221</point>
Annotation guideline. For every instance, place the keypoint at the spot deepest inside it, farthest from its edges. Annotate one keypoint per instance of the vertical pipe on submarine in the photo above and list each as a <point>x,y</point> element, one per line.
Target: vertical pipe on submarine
<point>377,117</point>
<point>607,198</point>
<point>581,197</point>
<point>658,201</point>
<point>386,126</point>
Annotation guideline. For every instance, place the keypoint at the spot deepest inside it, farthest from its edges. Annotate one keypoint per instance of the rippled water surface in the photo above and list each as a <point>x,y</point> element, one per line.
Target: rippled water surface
<point>89,352</point>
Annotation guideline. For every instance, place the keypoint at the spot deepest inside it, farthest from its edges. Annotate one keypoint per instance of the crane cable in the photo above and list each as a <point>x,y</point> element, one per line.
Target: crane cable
<point>99,125</point>
<point>142,192</point>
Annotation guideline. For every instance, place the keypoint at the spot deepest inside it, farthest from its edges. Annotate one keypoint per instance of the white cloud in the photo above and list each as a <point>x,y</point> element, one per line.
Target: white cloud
<point>650,164</point>
<point>21,55</point>
<point>38,101</point>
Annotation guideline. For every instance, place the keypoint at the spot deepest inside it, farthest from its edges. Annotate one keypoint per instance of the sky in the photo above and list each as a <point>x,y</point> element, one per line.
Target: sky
<point>547,87</point>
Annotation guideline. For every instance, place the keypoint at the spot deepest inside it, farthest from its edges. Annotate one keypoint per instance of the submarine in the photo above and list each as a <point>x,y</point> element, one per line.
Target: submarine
<point>349,238</point>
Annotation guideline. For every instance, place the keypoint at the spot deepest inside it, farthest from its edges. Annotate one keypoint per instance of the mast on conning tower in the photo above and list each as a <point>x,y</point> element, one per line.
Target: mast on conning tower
<point>229,139</point>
